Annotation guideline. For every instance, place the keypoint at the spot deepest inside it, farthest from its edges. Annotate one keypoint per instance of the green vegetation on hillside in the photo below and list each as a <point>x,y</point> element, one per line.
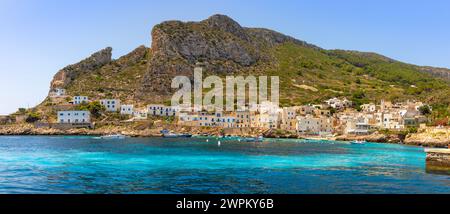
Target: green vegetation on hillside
<point>310,76</point>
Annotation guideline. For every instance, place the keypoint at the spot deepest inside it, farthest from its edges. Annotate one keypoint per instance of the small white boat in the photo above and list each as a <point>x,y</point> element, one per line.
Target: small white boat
<point>113,136</point>
<point>358,142</point>
<point>168,134</point>
<point>258,139</point>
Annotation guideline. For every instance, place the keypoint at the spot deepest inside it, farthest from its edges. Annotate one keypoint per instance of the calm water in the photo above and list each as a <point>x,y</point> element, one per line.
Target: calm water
<point>157,165</point>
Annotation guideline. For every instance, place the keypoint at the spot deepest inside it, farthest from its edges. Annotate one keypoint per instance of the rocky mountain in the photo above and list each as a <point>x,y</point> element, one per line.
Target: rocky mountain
<point>307,73</point>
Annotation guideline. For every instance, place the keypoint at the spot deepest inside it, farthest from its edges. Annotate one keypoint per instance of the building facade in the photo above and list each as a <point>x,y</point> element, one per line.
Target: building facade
<point>126,109</point>
<point>162,110</point>
<point>57,92</point>
<point>77,100</point>
<point>111,105</point>
<point>74,117</point>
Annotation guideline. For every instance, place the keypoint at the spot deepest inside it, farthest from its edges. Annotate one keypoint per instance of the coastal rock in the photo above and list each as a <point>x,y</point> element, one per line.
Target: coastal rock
<point>428,140</point>
<point>375,137</point>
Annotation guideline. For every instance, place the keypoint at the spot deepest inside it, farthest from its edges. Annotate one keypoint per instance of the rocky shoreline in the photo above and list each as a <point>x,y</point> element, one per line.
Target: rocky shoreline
<point>418,139</point>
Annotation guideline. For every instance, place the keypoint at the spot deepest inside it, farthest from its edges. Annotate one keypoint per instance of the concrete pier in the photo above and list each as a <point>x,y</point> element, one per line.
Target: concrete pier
<point>438,161</point>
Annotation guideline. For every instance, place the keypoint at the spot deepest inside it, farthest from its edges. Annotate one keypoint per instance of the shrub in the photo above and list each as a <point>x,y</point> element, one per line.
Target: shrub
<point>95,108</point>
<point>33,117</point>
<point>425,110</point>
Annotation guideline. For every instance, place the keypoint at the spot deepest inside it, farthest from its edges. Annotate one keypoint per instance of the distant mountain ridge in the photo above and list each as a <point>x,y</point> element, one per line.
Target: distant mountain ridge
<point>227,48</point>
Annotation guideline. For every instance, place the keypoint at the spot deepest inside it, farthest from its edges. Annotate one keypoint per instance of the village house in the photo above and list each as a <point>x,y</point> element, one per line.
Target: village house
<point>289,118</point>
<point>389,120</point>
<point>140,114</point>
<point>369,108</point>
<point>227,120</point>
<point>386,105</point>
<point>245,118</point>
<point>57,92</point>
<point>360,125</point>
<point>338,104</point>
<point>264,107</point>
<point>74,117</point>
<point>77,100</point>
<point>188,119</point>
<point>111,105</point>
<point>210,119</point>
<point>314,125</point>
<point>412,117</point>
<point>322,112</point>
<point>305,110</point>
<point>267,120</point>
<point>127,109</point>
<point>162,110</point>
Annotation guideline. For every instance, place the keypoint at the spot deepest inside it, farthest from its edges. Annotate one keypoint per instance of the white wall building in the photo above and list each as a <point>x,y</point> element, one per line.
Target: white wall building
<point>74,117</point>
<point>337,103</point>
<point>77,100</point>
<point>369,108</point>
<point>111,105</point>
<point>126,109</point>
<point>314,125</point>
<point>140,114</point>
<point>57,92</point>
<point>162,110</point>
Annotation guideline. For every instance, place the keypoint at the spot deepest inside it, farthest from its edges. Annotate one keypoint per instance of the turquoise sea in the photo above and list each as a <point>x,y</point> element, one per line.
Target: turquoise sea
<point>34,164</point>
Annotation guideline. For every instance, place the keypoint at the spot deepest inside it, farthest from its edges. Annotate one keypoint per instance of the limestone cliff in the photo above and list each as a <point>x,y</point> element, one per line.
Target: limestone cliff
<point>70,73</point>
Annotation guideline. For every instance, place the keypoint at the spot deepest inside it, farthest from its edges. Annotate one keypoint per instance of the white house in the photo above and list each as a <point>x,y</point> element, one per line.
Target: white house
<point>337,103</point>
<point>140,114</point>
<point>161,110</point>
<point>127,109</point>
<point>80,99</point>
<point>74,117</point>
<point>111,105</point>
<point>57,92</point>
<point>314,125</point>
<point>267,120</point>
<point>369,108</point>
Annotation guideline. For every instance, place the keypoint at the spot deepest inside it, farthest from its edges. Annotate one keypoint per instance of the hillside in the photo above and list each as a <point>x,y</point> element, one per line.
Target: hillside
<point>307,73</point>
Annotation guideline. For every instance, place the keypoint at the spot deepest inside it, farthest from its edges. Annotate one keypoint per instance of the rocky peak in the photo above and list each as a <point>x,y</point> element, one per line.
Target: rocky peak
<point>226,24</point>
<point>137,55</point>
<point>66,75</point>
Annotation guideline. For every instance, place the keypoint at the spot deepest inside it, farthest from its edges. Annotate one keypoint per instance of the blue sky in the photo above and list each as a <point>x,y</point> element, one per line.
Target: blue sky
<point>39,37</point>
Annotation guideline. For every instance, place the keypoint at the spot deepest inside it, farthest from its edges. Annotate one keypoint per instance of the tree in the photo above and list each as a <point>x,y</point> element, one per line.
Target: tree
<point>95,108</point>
<point>425,110</point>
<point>33,117</point>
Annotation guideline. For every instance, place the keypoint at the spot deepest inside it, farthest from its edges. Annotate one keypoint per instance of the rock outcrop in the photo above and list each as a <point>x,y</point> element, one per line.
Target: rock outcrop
<point>68,74</point>
<point>220,42</point>
<point>428,140</point>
